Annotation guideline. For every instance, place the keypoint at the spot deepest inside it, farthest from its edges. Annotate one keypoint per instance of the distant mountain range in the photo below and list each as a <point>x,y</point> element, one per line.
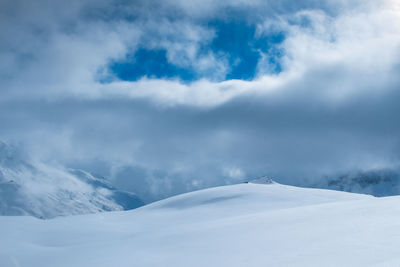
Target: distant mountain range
<point>383,182</point>
<point>30,187</point>
<point>45,191</point>
<point>379,183</point>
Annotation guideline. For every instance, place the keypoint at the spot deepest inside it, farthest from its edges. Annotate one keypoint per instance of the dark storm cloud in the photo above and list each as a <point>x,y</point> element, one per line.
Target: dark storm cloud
<point>333,107</point>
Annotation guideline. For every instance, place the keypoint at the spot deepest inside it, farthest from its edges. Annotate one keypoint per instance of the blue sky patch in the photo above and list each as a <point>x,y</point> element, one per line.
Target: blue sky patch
<point>238,40</point>
<point>235,40</point>
<point>149,63</point>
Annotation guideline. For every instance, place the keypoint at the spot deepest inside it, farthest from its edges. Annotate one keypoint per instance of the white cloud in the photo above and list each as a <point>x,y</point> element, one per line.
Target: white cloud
<point>360,42</point>
<point>344,55</point>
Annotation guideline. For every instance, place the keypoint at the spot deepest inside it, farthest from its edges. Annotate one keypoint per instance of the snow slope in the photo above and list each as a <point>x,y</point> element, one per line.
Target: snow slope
<point>240,225</point>
<point>33,188</point>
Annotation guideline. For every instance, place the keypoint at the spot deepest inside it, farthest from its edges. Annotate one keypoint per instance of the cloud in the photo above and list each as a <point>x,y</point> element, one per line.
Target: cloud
<point>332,107</point>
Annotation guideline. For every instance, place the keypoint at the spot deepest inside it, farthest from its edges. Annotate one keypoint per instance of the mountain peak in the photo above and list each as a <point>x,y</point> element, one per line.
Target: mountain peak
<point>263,180</point>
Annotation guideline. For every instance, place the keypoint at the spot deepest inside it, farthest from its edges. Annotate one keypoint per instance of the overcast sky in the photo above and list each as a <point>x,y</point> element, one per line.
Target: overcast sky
<point>163,97</point>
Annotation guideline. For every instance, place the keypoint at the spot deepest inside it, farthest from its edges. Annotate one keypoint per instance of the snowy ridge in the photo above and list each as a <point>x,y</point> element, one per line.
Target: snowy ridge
<point>44,191</point>
<point>239,225</point>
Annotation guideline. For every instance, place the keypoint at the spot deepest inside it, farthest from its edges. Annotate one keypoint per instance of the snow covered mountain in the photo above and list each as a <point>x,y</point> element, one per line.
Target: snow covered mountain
<point>44,191</point>
<point>263,180</point>
<point>240,225</point>
<point>383,182</point>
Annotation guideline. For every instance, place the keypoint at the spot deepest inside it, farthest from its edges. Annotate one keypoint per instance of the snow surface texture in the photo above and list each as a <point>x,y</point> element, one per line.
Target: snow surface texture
<point>44,191</point>
<point>240,225</point>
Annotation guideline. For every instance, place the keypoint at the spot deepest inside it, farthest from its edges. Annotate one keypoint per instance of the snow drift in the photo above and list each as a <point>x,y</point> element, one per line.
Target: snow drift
<point>240,225</point>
